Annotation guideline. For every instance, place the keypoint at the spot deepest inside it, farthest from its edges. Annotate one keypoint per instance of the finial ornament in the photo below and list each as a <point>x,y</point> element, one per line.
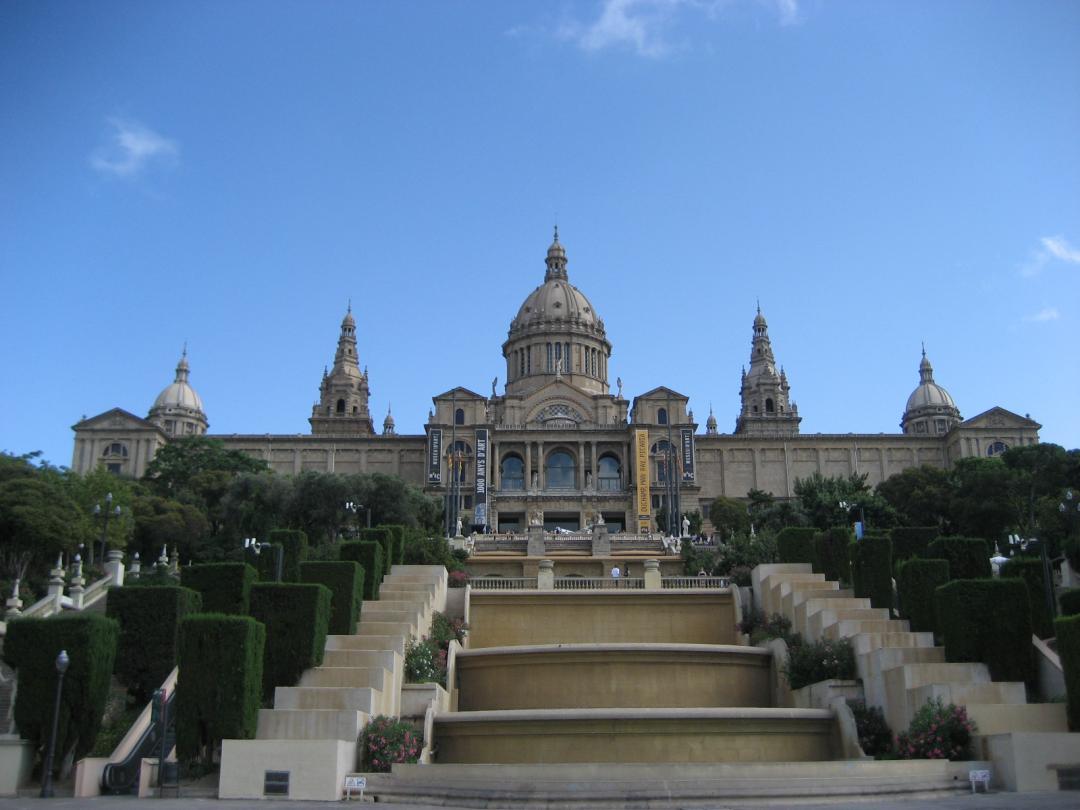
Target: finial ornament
<point>184,352</point>
<point>924,348</point>
<point>349,307</point>
<point>556,232</point>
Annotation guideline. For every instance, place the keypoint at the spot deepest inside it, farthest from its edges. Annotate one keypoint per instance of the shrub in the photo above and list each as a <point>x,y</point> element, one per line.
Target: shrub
<point>988,620</point>
<point>149,620</point>
<point>1031,571</point>
<point>382,536</point>
<point>225,587</point>
<point>429,551</point>
<point>31,647</point>
<point>1070,602</point>
<point>911,541</point>
<point>819,661</point>
<point>761,628</point>
<point>295,544</point>
<point>346,583</point>
<point>831,553</point>
<point>217,695</point>
<point>388,741</point>
<point>873,561</point>
<point>937,732</point>
<point>968,556</point>
<point>397,541</point>
<point>1068,643</point>
<point>916,582</point>
<point>795,544</point>
<point>444,630</point>
<point>296,618</point>
<point>370,557</point>
<point>875,736</point>
<point>457,579</point>
<point>425,663</point>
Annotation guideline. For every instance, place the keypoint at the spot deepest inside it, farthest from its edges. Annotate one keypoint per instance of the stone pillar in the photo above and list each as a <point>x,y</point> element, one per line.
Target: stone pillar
<point>114,566</point>
<point>56,582</point>
<point>536,541</point>
<point>528,466</point>
<point>174,562</point>
<point>595,466</point>
<point>542,473</point>
<point>581,464</point>
<point>652,575</point>
<point>14,603</point>
<point>136,567</point>
<point>545,576</point>
<point>601,543</point>
<point>77,582</point>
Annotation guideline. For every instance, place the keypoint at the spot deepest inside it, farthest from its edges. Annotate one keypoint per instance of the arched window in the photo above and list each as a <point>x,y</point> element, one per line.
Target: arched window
<point>560,470</point>
<point>341,406</point>
<point>116,450</point>
<point>512,473</point>
<point>996,448</point>
<point>550,358</point>
<point>769,407</point>
<point>609,474</point>
<point>661,416</point>
<point>459,417</point>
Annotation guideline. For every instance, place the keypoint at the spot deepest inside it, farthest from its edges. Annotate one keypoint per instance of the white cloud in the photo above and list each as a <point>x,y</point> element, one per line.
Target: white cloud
<point>1044,314</point>
<point>1051,248</point>
<point>1059,248</point>
<point>643,26</point>
<point>131,147</point>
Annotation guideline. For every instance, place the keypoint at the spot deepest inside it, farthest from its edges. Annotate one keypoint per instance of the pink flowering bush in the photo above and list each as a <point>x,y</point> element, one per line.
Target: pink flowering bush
<point>937,732</point>
<point>388,741</point>
<point>457,579</point>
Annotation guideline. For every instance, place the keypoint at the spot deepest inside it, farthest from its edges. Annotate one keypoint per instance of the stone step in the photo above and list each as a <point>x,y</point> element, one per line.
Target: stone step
<point>413,579</point>
<point>873,665</point>
<point>316,768</point>
<point>770,594</point>
<point>819,620</point>
<point>375,614</point>
<point>790,589</point>
<point>360,699</point>
<point>847,629</point>
<point>387,659</point>
<point>1005,718</point>
<point>867,642</point>
<point>826,600</point>
<point>404,605</point>
<point>420,594</point>
<point>379,628</point>
<point>352,677</point>
<point>822,590</point>
<point>911,676</point>
<point>310,724</point>
<point>367,641</point>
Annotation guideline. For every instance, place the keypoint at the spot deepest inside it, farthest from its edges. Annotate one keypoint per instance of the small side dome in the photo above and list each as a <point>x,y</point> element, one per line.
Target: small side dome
<point>388,423</point>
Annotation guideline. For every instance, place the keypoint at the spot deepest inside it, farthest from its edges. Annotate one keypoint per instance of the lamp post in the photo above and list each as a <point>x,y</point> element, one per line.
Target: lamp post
<point>62,662</point>
<point>1070,509</point>
<point>104,515</point>
<point>354,508</point>
<point>1015,541</point>
<point>455,464</point>
<point>257,547</point>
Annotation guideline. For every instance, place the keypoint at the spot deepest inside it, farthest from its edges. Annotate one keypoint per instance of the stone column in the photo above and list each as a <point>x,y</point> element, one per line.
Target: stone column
<point>14,603</point>
<point>114,566</point>
<point>542,473</point>
<point>77,582</point>
<point>545,576</point>
<point>528,465</point>
<point>174,562</point>
<point>652,575</point>
<point>601,543</point>
<point>56,582</point>
<point>581,463</point>
<point>595,466</point>
<point>536,541</point>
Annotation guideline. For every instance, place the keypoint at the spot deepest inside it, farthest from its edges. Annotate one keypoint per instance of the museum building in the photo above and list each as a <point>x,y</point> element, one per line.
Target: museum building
<point>557,446</point>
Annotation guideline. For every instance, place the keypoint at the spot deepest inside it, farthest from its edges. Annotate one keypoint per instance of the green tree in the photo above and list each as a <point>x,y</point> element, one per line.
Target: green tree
<point>38,521</point>
<point>983,503</point>
<point>921,496</point>
<point>820,497</point>
<point>90,490</point>
<point>181,465</point>
<point>728,516</point>
<point>165,522</point>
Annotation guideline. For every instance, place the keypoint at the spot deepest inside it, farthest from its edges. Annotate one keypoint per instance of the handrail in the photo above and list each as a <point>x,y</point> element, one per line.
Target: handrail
<point>143,739</point>
<point>96,591</point>
<point>674,583</point>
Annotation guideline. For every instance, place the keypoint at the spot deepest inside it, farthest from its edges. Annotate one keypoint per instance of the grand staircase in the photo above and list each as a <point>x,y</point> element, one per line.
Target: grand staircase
<point>308,741</point>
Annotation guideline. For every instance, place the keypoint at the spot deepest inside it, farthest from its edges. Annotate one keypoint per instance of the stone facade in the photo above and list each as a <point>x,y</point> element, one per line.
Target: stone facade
<point>557,447</point>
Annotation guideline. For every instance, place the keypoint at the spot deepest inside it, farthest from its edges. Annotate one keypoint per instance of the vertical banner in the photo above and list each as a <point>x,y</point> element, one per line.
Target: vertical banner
<point>434,475</point>
<point>480,502</point>
<point>687,454</point>
<point>641,467</point>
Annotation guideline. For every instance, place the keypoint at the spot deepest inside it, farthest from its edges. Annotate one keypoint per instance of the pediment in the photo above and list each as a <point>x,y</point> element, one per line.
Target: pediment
<point>460,393</point>
<point>556,406</point>
<point>662,393</point>
<point>115,419</point>
<point>997,418</point>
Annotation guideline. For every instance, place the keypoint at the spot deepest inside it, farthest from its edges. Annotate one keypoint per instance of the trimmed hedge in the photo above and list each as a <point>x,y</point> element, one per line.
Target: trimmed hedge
<point>382,536</point>
<point>873,564</point>
<point>296,617</point>
<point>31,648</point>
<point>988,620</point>
<point>370,557</point>
<point>1067,629</point>
<point>149,620</point>
<point>296,551</point>
<point>1031,571</point>
<point>225,587</point>
<point>346,582</point>
<point>912,541</point>
<point>1070,602</point>
<point>397,538</point>
<point>969,557</point>
<point>795,544</point>
<point>218,693</point>
<point>916,582</point>
<point>831,553</point>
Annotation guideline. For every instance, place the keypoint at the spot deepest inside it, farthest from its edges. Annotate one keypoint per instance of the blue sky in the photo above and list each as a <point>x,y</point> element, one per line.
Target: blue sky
<point>231,174</point>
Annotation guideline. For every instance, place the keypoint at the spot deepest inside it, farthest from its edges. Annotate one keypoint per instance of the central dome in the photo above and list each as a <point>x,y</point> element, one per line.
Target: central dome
<point>557,299</point>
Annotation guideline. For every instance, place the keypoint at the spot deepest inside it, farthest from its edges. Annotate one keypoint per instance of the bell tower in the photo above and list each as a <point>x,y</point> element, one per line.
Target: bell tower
<point>766,407</point>
<point>342,408</point>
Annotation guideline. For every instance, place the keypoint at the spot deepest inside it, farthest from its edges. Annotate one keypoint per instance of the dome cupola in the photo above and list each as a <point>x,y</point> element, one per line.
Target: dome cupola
<point>178,409</point>
<point>930,409</point>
